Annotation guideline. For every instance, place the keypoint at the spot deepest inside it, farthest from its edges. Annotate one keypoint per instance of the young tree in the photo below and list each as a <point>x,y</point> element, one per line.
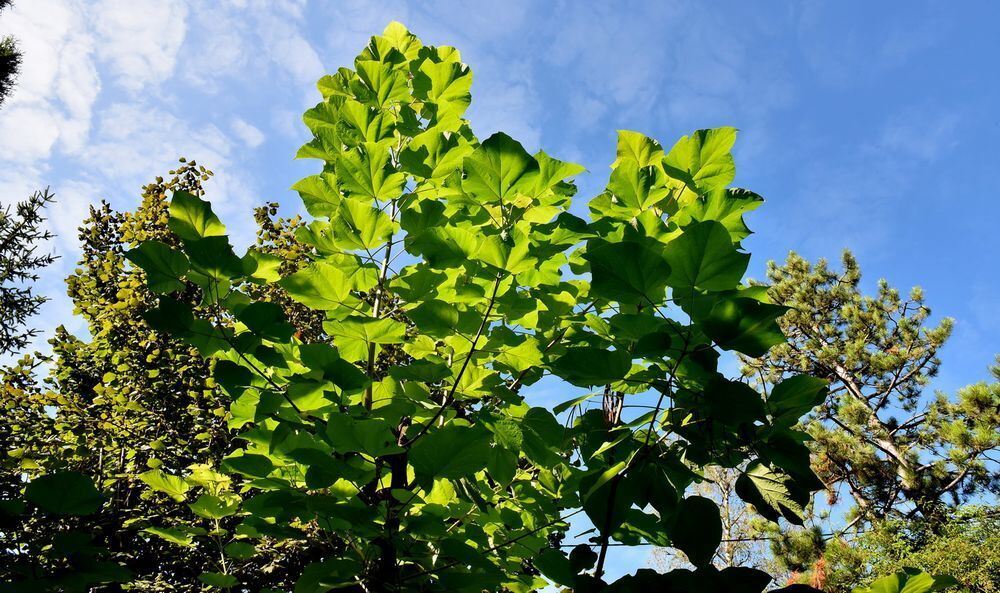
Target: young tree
<point>22,231</point>
<point>398,444</point>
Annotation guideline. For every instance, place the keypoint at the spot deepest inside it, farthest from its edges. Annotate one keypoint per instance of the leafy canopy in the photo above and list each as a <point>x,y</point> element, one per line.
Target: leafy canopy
<point>450,277</point>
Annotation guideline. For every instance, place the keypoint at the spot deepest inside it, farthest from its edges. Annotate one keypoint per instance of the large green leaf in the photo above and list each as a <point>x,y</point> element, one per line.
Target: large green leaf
<point>434,317</point>
<point>636,187</point>
<point>697,529</point>
<point>704,257</point>
<point>434,154</point>
<point>703,160</point>
<point>627,272</point>
<point>637,147</point>
<point>214,257</point>
<point>352,435</point>
<point>173,486</point>
<point>191,218</point>
<point>181,535</point>
<point>211,506</point>
<point>745,325</point>
<point>164,267</point>
<point>588,366</point>
<point>319,286</point>
<point>327,575</point>
<point>267,320</point>
<point>369,174</point>
<point>64,493</point>
<point>795,396</point>
<point>451,451</point>
<point>772,494</point>
<point>446,85</point>
<point>909,580</point>
<point>387,84</point>
<point>360,225</point>
<point>499,170</point>
<point>354,334</point>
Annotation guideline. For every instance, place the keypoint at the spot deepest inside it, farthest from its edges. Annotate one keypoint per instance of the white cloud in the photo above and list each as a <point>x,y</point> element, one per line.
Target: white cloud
<point>250,135</point>
<point>29,133</point>
<point>72,206</point>
<point>54,97</point>
<point>140,39</point>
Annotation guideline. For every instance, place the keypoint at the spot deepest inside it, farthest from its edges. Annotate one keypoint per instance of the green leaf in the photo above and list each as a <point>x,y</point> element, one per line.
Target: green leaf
<point>360,225</point>
<point>733,402</point>
<point>387,84</point>
<point>555,567</point>
<point>703,257</point>
<point>635,187</point>
<point>771,494</point>
<point>248,464</point>
<point>210,506</point>
<point>521,357</point>
<point>318,286</point>
<point>217,579</point>
<point>182,536</point>
<point>262,267</point>
<point>354,334</point>
<point>64,493</point>
<point>191,218</point>
<point>499,170</point>
<point>267,320</point>
<point>445,246</point>
<point>795,396</point>
<point>171,316</point>
<point>240,550</point>
<point>434,154</point>
<point>641,149</point>
<point>725,206</point>
<point>745,325</point>
<point>588,366</point>
<point>369,174</point>
<point>703,160</point>
<point>164,267</point>
<point>697,529</point>
<point>214,257</point>
<point>909,580</point>
<point>627,272</point>
<point>173,486</point>
<point>510,255</point>
<point>330,574</point>
<point>434,317</point>
<point>352,435</point>
<point>446,84</point>
<point>320,194</point>
<point>451,451</point>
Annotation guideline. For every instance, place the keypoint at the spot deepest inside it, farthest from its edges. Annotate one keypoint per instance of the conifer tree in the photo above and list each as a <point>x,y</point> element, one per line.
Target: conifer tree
<point>22,233</point>
<point>897,452</point>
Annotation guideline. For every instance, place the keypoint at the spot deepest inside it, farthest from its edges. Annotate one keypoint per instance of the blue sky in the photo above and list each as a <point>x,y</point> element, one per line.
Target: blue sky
<point>869,126</point>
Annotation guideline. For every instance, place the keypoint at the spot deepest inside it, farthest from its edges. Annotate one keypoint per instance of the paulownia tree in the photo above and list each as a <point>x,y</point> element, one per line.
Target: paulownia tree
<point>399,442</point>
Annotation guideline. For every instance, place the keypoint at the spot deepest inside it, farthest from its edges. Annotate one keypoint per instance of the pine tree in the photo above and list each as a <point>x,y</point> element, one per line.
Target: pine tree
<point>897,451</point>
